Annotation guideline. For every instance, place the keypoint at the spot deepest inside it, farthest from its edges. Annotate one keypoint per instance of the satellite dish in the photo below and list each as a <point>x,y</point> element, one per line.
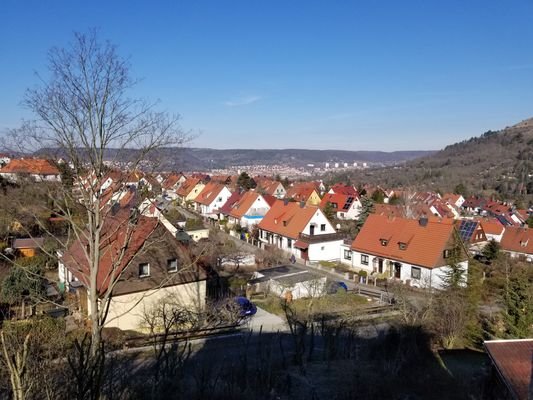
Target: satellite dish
<point>338,226</point>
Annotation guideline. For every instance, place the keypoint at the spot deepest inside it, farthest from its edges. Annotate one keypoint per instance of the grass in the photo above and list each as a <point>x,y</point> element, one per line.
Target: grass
<point>341,302</point>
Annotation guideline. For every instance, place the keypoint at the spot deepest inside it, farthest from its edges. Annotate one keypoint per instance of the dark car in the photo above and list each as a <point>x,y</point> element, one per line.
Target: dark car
<point>246,307</point>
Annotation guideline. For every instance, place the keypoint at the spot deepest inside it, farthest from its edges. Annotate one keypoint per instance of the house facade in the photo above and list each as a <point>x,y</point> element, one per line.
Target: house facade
<point>211,199</point>
<point>301,230</point>
<point>249,210</point>
<point>154,266</point>
<point>345,206</point>
<point>518,242</point>
<point>416,252</point>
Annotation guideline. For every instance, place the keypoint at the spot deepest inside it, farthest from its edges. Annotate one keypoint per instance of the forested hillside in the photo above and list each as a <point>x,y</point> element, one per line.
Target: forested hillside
<point>497,162</point>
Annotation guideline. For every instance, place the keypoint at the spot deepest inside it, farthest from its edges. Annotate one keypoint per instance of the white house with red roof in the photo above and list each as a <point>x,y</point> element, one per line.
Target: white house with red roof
<point>417,252</point>
<point>346,206</point>
<point>249,210</point>
<point>39,170</point>
<point>213,196</point>
<point>301,230</point>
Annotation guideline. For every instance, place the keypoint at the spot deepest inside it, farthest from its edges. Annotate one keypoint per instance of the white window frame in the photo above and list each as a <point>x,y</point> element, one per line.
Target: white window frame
<point>171,268</point>
<point>140,268</point>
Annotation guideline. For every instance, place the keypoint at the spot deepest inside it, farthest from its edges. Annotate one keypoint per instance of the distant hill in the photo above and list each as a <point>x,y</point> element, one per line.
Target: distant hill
<point>190,158</point>
<point>498,162</point>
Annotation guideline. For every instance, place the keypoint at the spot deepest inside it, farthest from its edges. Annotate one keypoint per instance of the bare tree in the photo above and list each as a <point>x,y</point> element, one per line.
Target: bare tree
<point>85,113</point>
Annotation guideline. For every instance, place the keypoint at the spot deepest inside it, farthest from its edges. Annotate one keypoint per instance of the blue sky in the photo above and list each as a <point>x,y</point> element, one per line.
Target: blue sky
<point>355,75</point>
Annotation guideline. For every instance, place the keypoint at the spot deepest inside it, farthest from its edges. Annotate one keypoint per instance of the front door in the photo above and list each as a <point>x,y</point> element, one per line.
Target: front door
<point>312,230</point>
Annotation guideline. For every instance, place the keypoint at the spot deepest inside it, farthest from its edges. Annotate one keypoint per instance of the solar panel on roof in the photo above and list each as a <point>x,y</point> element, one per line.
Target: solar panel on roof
<point>346,206</point>
<point>349,200</point>
<point>466,229</point>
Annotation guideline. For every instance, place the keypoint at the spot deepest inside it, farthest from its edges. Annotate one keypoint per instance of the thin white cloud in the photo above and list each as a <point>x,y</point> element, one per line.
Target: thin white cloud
<point>244,101</point>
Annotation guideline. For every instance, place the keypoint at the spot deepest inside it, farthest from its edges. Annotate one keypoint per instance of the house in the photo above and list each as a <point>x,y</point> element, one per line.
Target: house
<point>511,366</point>
<point>4,159</point>
<point>270,187</point>
<point>341,188</point>
<point>225,210</point>
<point>301,230</point>
<point>172,183</point>
<point>28,247</point>
<point>249,209</point>
<point>153,266</point>
<point>518,242</point>
<point>493,229</point>
<point>39,170</point>
<point>416,252</point>
<point>213,196</point>
<point>455,200</point>
<point>344,205</point>
<point>188,190</point>
<point>288,282</point>
<point>472,234</point>
<point>304,192</point>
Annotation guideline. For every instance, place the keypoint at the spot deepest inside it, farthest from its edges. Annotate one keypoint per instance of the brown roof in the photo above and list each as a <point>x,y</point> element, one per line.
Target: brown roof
<point>28,243</point>
<point>287,218</point>
<point>269,187</point>
<point>512,359</point>
<point>209,193</point>
<point>425,244</point>
<point>30,166</point>
<point>516,239</point>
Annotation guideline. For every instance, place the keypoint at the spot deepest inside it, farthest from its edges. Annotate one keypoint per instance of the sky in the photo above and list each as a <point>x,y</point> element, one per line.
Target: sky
<point>353,75</point>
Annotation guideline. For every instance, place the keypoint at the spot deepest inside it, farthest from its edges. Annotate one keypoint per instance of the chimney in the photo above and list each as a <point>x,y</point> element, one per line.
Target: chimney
<point>423,221</point>
<point>302,204</point>
<point>285,201</point>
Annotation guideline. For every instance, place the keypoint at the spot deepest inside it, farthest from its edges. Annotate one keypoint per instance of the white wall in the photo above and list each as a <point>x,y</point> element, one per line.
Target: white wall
<point>429,277</point>
<point>324,251</point>
<point>319,219</point>
<point>126,311</point>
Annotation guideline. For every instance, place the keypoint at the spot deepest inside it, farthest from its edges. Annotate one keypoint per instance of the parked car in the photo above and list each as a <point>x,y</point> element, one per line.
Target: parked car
<point>335,286</point>
<point>246,307</point>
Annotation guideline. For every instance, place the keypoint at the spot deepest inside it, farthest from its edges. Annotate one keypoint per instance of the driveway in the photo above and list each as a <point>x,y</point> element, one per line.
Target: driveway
<point>269,322</point>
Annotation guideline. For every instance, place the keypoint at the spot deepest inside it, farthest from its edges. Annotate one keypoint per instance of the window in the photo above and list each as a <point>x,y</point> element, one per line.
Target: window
<point>322,248</point>
<point>342,215</point>
<point>446,253</point>
<point>144,270</point>
<point>384,242</point>
<point>347,254</point>
<point>402,246</point>
<point>172,265</point>
<point>364,259</point>
<point>289,243</point>
<point>322,227</point>
<point>416,272</point>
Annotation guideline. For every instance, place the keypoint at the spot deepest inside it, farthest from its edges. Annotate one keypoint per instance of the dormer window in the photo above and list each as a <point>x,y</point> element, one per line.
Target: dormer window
<point>284,223</point>
<point>402,246</point>
<point>144,270</point>
<point>384,242</point>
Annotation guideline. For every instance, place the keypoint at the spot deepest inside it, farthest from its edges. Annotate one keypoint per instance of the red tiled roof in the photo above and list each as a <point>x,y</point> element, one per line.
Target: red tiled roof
<point>492,227</point>
<point>425,244</point>
<point>516,239</point>
<point>30,166</point>
<point>187,186</point>
<point>209,193</point>
<point>512,359</point>
<point>341,188</point>
<point>287,218</point>
<point>336,198</point>
<point>301,192</point>
<point>233,199</point>
<point>241,207</point>
<point>115,233</point>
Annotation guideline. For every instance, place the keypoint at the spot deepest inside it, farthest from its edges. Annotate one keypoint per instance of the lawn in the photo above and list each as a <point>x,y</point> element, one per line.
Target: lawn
<point>341,302</point>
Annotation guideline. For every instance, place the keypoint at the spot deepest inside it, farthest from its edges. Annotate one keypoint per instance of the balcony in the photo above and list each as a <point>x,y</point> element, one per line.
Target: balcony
<point>326,237</point>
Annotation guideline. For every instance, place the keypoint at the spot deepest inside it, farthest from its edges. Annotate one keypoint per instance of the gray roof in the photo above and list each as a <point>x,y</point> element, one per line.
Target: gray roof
<point>286,275</point>
<point>28,243</point>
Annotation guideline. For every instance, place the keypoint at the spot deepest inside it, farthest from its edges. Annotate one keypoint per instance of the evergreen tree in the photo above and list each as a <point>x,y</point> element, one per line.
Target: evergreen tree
<point>378,196</point>
<point>329,211</point>
<point>245,181</point>
<point>492,250</point>
<point>518,306</point>
<point>454,276</point>
<point>367,209</point>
